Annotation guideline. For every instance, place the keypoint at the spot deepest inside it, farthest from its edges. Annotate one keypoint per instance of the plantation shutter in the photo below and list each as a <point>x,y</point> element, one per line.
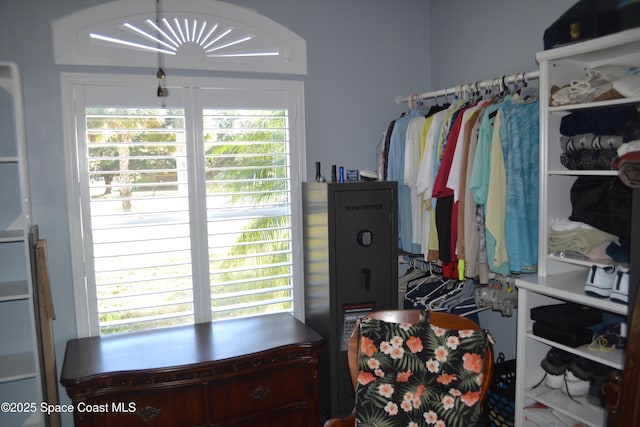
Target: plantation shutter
<point>187,211</point>
<point>248,211</point>
<point>248,201</point>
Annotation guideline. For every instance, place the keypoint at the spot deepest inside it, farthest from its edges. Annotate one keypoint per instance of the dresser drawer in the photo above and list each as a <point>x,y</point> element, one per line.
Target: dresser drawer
<point>184,406</point>
<point>273,388</point>
<point>291,417</point>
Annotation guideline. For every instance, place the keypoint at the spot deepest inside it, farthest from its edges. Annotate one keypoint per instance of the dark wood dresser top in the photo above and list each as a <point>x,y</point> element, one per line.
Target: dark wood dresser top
<point>183,346</point>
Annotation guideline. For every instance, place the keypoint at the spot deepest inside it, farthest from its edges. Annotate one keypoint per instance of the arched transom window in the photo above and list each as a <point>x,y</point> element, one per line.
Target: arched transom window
<point>188,34</point>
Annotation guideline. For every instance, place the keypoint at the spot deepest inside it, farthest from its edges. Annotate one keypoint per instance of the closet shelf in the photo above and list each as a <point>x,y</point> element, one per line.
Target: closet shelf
<point>20,378</point>
<point>613,359</point>
<point>568,286</point>
<point>584,262</point>
<point>561,279</point>
<point>11,236</point>
<point>583,411</point>
<point>19,366</point>
<point>598,50</point>
<point>13,291</point>
<point>568,172</point>
<point>593,105</point>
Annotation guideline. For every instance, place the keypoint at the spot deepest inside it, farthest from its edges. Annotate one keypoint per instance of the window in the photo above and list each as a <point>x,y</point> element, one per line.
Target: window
<point>187,206</point>
<point>188,34</point>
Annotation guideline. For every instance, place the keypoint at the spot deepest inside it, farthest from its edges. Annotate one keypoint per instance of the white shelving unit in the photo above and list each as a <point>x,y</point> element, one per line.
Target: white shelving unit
<point>19,362</point>
<point>561,278</point>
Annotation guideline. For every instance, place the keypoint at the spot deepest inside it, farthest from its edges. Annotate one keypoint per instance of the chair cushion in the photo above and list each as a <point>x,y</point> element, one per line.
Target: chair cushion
<point>418,374</point>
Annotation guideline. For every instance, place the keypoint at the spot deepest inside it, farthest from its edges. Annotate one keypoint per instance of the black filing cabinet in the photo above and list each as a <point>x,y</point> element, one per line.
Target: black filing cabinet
<point>351,268</point>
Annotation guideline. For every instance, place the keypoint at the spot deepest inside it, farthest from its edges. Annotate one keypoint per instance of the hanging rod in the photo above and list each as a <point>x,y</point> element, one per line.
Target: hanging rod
<point>518,77</point>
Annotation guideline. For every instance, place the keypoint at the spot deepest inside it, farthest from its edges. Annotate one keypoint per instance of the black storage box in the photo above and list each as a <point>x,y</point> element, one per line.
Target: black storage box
<point>589,19</point>
<point>566,316</point>
<point>570,338</point>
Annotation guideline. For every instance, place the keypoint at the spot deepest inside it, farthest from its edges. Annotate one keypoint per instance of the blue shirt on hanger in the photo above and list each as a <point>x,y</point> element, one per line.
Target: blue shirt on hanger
<point>396,173</point>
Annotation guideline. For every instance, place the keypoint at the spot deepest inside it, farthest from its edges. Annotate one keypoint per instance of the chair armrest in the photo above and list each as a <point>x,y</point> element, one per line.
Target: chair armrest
<point>348,421</point>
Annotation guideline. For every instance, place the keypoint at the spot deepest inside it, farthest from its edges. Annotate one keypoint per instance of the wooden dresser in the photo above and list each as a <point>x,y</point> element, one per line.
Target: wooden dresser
<point>242,372</point>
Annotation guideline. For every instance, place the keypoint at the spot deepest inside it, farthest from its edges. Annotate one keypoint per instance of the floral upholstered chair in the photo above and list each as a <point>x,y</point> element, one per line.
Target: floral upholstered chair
<point>415,368</point>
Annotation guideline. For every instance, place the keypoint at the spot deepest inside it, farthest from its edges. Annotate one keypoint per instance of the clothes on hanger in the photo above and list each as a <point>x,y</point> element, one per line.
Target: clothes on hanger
<point>469,178</point>
<point>395,172</point>
<point>425,287</point>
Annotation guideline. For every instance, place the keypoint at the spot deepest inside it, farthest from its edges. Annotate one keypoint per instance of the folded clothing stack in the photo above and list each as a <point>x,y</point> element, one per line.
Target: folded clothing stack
<point>577,239</point>
<point>628,163</point>
<point>565,323</point>
<point>611,81</point>
<point>590,139</point>
<point>590,243</point>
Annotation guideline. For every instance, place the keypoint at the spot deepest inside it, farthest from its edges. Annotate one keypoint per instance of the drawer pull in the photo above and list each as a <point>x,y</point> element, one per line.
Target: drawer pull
<point>148,413</point>
<point>260,393</point>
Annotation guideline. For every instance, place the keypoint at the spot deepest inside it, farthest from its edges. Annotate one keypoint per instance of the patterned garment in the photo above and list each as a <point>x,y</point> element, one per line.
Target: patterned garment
<point>603,159</point>
<point>589,141</point>
<point>520,146</point>
<point>419,375</point>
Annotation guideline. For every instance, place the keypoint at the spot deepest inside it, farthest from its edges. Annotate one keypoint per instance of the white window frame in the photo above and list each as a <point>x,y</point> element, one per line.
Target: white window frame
<point>81,247</point>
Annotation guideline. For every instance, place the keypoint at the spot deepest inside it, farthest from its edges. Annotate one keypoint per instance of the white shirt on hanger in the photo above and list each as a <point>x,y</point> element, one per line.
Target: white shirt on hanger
<point>412,155</point>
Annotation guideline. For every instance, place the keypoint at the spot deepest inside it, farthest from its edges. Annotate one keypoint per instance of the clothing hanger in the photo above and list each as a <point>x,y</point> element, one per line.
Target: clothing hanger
<point>411,275</point>
<point>466,294</point>
<point>421,282</point>
<point>452,296</point>
<point>441,288</point>
<point>476,310</point>
<point>436,303</point>
<point>504,89</point>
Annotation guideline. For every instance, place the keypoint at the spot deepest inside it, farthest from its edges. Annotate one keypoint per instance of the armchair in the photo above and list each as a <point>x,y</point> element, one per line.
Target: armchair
<point>442,320</point>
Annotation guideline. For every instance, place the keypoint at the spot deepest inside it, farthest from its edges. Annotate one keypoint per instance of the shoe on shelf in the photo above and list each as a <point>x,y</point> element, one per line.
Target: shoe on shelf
<point>620,291</point>
<point>582,368</point>
<point>594,85</point>
<point>574,386</point>
<point>554,381</point>
<point>578,376</point>
<point>601,376</point>
<point>600,281</point>
<point>556,362</point>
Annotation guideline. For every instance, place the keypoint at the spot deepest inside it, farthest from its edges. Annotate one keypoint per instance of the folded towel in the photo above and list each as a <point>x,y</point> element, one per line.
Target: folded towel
<point>629,147</point>
<point>582,241</point>
<point>629,173</point>
<point>565,224</point>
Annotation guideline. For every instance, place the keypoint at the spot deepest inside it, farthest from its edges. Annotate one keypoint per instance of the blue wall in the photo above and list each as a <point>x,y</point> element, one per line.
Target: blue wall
<point>478,40</point>
<point>361,55</point>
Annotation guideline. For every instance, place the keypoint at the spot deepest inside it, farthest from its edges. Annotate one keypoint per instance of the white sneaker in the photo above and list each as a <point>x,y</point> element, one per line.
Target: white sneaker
<point>554,381</point>
<point>582,91</point>
<point>620,292</point>
<point>600,281</point>
<point>575,386</point>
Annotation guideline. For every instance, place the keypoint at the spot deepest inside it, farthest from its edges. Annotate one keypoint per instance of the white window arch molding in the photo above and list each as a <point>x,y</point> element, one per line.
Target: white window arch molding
<point>189,34</point>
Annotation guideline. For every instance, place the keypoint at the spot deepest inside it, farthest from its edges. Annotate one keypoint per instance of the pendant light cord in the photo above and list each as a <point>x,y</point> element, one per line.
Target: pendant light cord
<point>160,74</point>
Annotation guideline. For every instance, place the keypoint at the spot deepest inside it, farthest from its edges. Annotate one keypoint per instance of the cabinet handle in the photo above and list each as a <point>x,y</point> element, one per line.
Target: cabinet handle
<point>366,279</point>
<point>260,393</point>
<point>148,413</point>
